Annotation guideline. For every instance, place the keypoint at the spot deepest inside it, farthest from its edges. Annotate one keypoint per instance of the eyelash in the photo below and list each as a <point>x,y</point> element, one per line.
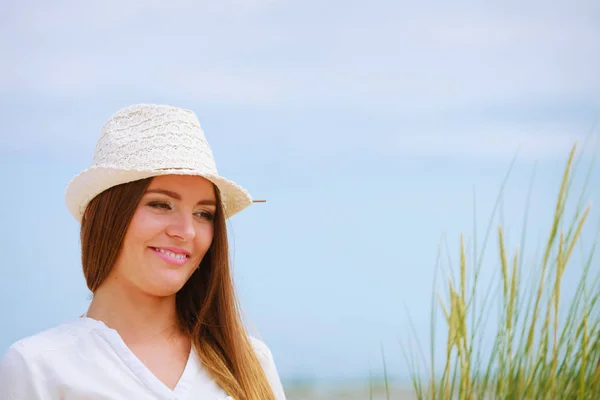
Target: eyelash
<point>166,206</point>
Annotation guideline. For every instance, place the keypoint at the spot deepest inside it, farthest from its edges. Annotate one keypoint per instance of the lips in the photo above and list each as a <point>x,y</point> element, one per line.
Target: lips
<point>174,250</point>
<point>172,257</point>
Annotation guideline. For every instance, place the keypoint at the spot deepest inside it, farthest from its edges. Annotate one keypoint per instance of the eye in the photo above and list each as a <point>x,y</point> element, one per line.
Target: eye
<point>160,205</point>
<point>206,215</point>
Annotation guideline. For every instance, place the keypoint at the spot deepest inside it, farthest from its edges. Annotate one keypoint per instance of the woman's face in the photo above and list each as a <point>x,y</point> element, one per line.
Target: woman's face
<point>169,234</point>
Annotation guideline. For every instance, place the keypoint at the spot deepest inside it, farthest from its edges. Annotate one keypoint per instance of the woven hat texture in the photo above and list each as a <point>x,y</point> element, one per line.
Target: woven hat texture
<point>145,140</point>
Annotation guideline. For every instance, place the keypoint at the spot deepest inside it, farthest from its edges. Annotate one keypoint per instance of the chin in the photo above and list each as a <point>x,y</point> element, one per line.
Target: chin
<point>163,290</point>
<point>169,285</point>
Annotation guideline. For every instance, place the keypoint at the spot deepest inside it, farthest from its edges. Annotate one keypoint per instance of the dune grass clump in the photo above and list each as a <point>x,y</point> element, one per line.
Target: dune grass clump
<point>535,351</point>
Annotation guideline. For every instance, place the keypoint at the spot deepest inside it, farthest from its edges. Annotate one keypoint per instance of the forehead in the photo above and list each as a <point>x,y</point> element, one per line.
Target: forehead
<point>184,185</point>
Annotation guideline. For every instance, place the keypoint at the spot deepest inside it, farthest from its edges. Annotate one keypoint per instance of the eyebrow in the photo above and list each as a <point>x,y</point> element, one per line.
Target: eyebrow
<point>177,196</point>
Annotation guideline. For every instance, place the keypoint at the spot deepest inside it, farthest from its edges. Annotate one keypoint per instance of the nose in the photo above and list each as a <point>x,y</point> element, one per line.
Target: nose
<point>182,226</point>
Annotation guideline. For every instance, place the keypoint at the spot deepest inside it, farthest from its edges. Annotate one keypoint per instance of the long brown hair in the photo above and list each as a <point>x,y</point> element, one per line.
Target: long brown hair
<point>206,305</point>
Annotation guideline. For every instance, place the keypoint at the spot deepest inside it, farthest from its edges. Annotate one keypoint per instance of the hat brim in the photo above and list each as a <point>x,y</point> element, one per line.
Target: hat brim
<point>93,181</point>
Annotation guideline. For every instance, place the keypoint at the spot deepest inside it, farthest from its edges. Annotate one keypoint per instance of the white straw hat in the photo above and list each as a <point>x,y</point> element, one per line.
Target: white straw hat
<point>145,140</point>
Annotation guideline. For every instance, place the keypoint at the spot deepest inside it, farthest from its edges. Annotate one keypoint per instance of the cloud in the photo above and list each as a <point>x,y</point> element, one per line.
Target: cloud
<point>70,15</point>
<point>72,49</point>
<point>379,54</point>
<point>539,141</point>
<point>391,60</point>
<point>421,58</point>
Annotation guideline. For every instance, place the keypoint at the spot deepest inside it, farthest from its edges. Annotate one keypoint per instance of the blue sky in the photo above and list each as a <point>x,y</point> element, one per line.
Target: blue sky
<point>367,126</point>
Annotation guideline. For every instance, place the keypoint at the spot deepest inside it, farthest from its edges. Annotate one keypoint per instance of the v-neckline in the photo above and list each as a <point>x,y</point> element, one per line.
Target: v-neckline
<point>144,373</point>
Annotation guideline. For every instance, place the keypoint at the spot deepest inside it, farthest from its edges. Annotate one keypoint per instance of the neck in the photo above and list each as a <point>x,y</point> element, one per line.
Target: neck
<point>135,315</point>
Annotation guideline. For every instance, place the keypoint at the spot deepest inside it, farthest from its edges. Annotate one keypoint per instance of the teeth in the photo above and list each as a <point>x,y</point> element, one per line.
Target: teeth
<point>171,254</point>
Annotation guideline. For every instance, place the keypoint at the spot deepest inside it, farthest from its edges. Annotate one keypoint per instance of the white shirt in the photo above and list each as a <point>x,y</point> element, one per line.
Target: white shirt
<point>85,359</point>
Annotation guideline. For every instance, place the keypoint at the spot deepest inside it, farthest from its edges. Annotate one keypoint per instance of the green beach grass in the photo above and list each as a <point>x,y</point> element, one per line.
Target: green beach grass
<point>536,352</point>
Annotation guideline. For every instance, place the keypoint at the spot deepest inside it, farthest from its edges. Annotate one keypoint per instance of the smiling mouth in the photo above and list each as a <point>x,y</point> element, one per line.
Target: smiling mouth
<point>168,253</point>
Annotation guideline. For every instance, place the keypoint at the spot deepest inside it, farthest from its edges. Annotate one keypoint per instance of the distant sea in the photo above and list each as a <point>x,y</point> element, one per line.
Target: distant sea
<point>348,390</point>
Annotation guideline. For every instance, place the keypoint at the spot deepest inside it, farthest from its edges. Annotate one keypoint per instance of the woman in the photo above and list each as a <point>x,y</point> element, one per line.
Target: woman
<point>163,322</point>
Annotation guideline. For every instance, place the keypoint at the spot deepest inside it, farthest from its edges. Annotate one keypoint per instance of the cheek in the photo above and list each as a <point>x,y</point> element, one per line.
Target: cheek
<point>141,230</point>
<point>144,226</point>
<point>204,238</point>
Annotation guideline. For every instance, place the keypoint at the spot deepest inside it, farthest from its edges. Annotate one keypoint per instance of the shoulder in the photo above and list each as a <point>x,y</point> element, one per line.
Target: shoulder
<point>27,363</point>
<point>267,362</point>
<point>36,353</point>
<point>261,349</point>
<point>49,340</point>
